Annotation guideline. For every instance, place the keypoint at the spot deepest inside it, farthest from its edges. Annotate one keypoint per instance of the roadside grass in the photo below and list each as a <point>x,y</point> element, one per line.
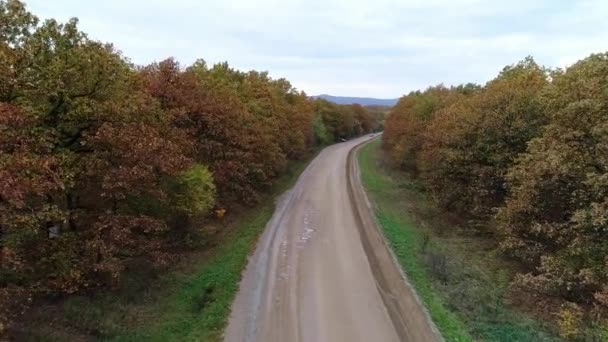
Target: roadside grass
<point>191,302</point>
<point>457,274</point>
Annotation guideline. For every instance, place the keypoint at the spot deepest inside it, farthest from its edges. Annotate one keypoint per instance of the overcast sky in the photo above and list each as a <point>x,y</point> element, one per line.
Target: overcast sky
<point>378,48</point>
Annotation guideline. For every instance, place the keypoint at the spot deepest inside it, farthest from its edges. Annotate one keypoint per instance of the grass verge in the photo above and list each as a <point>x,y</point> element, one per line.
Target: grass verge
<point>189,303</point>
<point>458,276</point>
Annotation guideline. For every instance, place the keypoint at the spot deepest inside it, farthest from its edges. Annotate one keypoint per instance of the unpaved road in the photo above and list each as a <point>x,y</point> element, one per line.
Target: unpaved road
<point>315,274</point>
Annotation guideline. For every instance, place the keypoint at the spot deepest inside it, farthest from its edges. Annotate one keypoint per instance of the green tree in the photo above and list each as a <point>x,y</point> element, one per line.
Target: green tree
<point>321,135</point>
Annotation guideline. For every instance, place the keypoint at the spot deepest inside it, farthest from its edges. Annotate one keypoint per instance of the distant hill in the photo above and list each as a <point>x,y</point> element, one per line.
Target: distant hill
<point>364,101</point>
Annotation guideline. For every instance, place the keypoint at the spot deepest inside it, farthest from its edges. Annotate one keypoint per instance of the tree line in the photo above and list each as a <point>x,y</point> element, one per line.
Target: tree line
<point>527,153</point>
<point>103,161</point>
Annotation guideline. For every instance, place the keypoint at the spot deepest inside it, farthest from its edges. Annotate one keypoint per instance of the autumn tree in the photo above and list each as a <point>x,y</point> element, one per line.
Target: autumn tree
<point>102,161</point>
<point>16,26</point>
<point>81,147</point>
<point>469,145</point>
<point>342,121</point>
<point>555,217</point>
<point>407,121</point>
<point>245,125</point>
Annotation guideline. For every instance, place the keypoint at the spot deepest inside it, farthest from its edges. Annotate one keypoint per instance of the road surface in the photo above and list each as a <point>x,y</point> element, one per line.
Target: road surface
<point>314,278</point>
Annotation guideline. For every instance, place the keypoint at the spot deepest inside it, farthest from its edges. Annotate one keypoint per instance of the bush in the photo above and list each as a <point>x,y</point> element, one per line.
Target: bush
<point>192,195</point>
<point>570,321</point>
<point>194,191</point>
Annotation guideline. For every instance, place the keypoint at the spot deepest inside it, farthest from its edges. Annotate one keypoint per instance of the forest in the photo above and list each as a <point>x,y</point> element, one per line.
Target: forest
<point>523,160</point>
<point>103,161</point>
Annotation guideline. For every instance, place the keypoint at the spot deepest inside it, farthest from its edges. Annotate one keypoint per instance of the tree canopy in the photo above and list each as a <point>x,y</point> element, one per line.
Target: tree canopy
<point>102,161</point>
<point>527,154</point>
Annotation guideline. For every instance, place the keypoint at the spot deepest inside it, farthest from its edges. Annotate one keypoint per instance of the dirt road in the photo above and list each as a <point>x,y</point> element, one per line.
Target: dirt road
<point>318,275</point>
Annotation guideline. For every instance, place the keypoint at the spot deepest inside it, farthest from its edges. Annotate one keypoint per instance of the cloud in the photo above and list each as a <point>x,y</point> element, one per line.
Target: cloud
<point>380,48</point>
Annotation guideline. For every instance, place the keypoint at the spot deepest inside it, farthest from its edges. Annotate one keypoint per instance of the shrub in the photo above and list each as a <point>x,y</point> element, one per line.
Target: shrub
<point>194,191</point>
<point>570,321</point>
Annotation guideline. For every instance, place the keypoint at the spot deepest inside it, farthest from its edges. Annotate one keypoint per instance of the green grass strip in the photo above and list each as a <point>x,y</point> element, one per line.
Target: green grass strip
<point>199,307</point>
<point>405,242</point>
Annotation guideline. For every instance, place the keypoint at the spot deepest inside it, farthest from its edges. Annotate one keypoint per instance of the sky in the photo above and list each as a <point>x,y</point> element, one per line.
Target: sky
<point>377,48</point>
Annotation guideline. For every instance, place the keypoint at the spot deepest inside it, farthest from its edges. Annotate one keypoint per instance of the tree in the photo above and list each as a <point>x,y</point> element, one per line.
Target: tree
<point>102,161</point>
<point>246,126</point>
<point>80,145</point>
<point>321,135</point>
<point>16,26</point>
<point>469,146</point>
<point>343,121</point>
<point>407,122</point>
<point>555,217</point>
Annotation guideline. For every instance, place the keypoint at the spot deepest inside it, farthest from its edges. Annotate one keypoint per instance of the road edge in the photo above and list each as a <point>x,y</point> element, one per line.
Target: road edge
<point>410,317</point>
